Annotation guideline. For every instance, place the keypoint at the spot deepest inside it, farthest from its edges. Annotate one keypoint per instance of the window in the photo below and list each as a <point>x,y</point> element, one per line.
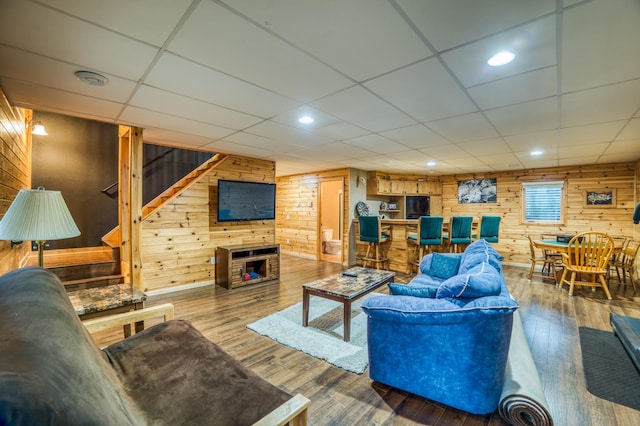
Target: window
<point>542,202</point>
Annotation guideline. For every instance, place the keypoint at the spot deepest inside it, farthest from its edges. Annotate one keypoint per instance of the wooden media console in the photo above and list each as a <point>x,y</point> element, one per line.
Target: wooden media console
<point>241,265</point>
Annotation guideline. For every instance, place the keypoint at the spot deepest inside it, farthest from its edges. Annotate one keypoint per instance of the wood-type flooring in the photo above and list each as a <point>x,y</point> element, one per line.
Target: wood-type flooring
<point>550,318</point>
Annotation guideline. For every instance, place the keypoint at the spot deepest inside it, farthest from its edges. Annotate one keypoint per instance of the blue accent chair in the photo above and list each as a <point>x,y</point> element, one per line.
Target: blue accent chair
<point>490,228</point>
<point>445,339</point>
<point>459,232</point>
<point>428,234</point>
<point>377,237</point>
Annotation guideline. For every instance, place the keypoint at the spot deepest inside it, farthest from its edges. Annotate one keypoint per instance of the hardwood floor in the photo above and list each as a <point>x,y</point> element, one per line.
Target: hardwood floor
<point>550,318</point>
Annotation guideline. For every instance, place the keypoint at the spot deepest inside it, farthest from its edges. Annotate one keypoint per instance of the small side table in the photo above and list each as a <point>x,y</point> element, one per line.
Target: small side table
<point>108,300</point>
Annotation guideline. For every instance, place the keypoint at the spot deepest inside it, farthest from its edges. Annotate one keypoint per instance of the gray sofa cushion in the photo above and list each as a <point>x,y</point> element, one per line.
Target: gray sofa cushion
<point>204,385</point>
<point>51,372</point>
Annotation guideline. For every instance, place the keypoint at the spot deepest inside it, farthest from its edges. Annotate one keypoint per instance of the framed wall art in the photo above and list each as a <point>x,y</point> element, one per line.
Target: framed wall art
<point>602,198</point>
<point>477,191</point>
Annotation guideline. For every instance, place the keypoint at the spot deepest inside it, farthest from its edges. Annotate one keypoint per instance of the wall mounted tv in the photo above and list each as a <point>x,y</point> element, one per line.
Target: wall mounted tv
<point>238,200</point>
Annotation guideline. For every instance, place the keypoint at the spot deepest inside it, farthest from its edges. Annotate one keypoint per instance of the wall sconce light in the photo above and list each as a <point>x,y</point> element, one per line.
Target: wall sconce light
<point>37,128</point>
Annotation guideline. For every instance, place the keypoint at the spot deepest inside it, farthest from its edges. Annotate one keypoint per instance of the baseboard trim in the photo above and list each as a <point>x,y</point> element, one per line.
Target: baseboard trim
<point>178,288</point>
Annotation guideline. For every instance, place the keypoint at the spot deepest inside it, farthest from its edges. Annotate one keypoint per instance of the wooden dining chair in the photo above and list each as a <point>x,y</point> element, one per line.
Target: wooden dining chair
<point>629,260</point>
<point>551,262</point>
<point>588,256</point>
<point>616,261</point>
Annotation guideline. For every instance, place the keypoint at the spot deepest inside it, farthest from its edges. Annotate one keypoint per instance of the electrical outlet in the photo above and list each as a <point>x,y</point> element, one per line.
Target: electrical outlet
<point>287,217</point>
<point>287,241</point>
<point>213,260</point>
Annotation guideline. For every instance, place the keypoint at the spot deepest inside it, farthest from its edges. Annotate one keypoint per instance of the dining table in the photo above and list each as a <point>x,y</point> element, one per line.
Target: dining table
<point>547,245</point>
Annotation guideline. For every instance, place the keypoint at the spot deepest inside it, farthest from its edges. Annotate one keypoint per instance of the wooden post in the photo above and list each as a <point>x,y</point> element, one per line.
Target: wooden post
<point>130,204</point>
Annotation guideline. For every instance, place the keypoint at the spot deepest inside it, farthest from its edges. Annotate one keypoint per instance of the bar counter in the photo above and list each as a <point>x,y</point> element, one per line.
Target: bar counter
<point>399,251</point>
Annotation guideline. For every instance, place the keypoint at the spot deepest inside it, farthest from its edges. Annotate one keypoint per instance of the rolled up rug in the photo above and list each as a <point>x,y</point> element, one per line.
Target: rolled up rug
<point>522,401</point>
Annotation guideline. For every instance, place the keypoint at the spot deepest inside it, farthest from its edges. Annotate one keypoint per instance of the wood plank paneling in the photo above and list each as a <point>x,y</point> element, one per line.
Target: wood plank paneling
<point>513,243</point>
<point>179,240</point>
<point>297,223</point>
<point>15,174</point>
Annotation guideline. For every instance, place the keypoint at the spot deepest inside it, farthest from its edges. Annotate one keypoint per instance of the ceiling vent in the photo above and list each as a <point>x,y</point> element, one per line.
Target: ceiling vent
<point>91,78</point>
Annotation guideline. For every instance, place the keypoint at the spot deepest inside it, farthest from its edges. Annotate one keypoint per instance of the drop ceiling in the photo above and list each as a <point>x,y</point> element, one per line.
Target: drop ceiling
<point>392,85</point>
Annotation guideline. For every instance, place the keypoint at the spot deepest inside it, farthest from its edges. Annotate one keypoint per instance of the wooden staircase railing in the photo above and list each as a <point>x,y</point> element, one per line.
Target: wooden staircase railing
<point>112,238</point>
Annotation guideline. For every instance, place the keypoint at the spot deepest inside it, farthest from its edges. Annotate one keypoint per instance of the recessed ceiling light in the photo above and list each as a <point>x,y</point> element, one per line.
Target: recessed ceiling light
<point>305,119</point>
<point>431,163</point>
<point>501,58</point>
<point>537,152</point>
<point>91,78</point>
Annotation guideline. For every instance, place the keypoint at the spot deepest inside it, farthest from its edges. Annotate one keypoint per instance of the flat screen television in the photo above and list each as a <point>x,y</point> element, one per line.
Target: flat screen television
<point>417,205</point>
<point>238,201</point>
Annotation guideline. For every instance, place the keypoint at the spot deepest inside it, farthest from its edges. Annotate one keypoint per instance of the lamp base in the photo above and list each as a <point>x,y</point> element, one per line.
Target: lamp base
<point>40,245</point>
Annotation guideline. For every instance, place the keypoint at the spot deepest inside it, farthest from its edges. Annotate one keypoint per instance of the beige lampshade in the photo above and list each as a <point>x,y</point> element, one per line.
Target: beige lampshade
<point>38,215</point>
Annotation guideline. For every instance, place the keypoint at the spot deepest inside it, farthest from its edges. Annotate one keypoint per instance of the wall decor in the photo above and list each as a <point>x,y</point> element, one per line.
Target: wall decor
<point>477,191</point>
<point>599,198</point>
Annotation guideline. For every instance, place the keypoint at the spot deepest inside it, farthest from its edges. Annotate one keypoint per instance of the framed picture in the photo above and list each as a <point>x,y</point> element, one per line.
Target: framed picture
<point>392,206</point>
<point>599,198</point>
<point>477,191</point>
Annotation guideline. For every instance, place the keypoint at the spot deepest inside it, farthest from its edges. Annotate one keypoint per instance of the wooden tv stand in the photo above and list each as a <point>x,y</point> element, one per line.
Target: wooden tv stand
<point>241,265</point>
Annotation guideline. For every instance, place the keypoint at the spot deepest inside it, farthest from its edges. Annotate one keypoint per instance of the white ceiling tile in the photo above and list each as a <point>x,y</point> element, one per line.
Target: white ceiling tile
<point>631,131</point>
<point>607,103</point>
<point>505,159</point>
<point>124,16</point>
<point>629,147</point>
<point>424,90</point>
<point>376,143</point>
<point>216,88</point>
<point>519,88</point>
<point>417,136</point>
<point>447,153</point>
<point>254,55</point>
<point>359,38</point>
<point>249,139</point>
<point>539,163</point>
<point>485,147</point>
<point>594,149</point>
<point>545,140</point>
<point>533,44</point>
<point>613,158</point>
<point>361,108</point>
<point>283,134</point>
<point>526,117</point>
<point>164,121</point>
<point>464,128</point>
<point>578,160</point>
<point>447,24</point>
<point>226,146</point>
<point>42,98</point>
<point>170,137</point>
<point>600,43</point>
<point>412,156</point>
<point>341,131</point>
<point>169,103</point>
<point>320,118</point>
<point>72,40</point>
<point>328,152</point>
<point>40,70</point>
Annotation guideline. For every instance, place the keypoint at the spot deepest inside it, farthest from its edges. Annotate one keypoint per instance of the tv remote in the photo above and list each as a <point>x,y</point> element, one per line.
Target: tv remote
<point>349,274</point>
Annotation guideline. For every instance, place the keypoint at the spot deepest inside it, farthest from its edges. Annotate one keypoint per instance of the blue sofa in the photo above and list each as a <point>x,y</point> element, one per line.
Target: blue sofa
<point>445,335</point>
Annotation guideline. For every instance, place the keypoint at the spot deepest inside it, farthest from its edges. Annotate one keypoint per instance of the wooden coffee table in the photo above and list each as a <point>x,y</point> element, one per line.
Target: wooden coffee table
<point>345,289</point>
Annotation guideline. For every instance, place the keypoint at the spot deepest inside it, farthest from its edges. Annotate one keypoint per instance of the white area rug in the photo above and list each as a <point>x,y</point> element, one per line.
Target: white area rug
<point>323,338</point>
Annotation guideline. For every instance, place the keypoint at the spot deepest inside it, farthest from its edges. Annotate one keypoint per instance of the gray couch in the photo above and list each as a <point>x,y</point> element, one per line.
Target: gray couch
<point>51,372</point>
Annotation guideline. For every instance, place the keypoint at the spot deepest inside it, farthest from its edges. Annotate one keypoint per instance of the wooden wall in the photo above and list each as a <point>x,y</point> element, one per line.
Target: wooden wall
<point>513,243</point>
<point>297,228</point>
<point>15,174</point>
<point>179,241</point>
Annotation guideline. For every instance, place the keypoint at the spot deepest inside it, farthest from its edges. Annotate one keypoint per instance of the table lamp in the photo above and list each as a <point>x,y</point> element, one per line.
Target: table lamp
<point>38,215</point>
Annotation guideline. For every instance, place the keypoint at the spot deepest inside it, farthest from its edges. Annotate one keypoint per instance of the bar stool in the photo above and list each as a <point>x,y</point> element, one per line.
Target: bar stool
<point>459,232</point>
<point>373,233</point>
<point>489,228</point>
<point>428,233</point>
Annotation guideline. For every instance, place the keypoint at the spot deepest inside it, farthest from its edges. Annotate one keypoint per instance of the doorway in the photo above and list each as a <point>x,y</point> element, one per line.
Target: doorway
<point>331,226</point>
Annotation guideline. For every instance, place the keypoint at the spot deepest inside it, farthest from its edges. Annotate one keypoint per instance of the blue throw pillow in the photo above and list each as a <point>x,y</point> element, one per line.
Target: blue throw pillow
<point>444,266</point>
<point>412,290</point>
<point>481,280</point>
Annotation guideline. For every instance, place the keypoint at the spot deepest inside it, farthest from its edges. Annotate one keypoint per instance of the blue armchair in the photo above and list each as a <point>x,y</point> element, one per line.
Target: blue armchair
<point>445,336</point>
